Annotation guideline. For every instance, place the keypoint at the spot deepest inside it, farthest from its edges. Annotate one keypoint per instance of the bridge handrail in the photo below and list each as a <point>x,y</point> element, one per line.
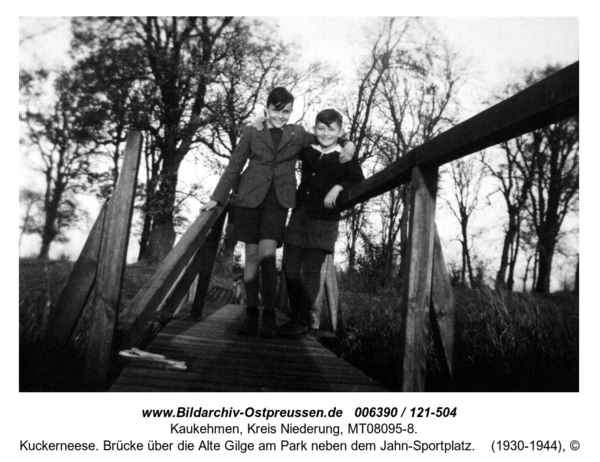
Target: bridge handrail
<point>148,299</point>
<point>548,101</point>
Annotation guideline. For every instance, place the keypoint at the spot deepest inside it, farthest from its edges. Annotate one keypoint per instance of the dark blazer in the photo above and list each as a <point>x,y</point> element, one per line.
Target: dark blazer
<point>320,173</point>
<point>265,164</point>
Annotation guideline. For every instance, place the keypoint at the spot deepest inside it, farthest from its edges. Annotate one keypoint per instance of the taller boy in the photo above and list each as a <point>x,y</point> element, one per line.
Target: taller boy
<point>266,191</point>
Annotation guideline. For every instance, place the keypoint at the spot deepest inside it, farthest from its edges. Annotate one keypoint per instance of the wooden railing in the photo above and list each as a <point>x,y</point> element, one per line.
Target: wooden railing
<point>426,284</point>
<point>427,305</point>
<point>97,279</point>
<point>194,255</point>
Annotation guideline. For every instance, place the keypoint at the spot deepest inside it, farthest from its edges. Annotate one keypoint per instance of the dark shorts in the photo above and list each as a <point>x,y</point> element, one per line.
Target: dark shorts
<point>311,233</point>
<point>267,221</point>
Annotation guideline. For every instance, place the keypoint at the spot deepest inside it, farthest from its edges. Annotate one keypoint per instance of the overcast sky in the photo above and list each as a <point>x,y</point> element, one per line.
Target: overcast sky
<point>496,47</point>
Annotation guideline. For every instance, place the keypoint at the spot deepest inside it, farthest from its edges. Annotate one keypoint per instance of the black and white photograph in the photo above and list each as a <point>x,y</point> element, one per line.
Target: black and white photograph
<point>250,208</point>
<point>166,280</point>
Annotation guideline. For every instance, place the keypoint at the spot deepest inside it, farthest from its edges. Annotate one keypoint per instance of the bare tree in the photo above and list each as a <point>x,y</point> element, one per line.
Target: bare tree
<point>514,188</point>
<point>30,200</point>
<point>550,164</point>
<point>366,133</point>
<point>179,57</point>
<point>553,166</point>
<point>466,177</point>
<point>539,180</point>
<point>58,142</point>
<point>409,87</point>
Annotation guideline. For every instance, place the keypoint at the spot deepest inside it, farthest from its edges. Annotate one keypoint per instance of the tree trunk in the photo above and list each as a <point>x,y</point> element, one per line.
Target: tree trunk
<point>463,270</point>
<point>162,236</point>
<point>466,257</point>
<point>352,255</point>
<point>535,267</point>
<point>44,249</point>
<point>546,254</point>
<point>526,273</point>
<point>509,238</point>
<point>510,282</point>
<point>145,237</point>
<point>49,231</point>
<point>161,242</point>
<point>355,225</point>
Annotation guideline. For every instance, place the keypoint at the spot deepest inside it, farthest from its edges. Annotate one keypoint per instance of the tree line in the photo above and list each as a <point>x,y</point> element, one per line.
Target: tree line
<point>191,83</point>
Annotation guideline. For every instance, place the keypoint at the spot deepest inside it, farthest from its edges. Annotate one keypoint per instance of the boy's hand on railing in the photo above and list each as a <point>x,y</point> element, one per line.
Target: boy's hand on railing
<point>258,122</point>
<point>347,152</point>
<point>332,196</point>
<point>209,206</point>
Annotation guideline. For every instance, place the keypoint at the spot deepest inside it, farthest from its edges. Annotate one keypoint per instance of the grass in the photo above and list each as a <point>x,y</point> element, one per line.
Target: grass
<point>517,341</point>
<point>40,285</point>
<point>504,341</point>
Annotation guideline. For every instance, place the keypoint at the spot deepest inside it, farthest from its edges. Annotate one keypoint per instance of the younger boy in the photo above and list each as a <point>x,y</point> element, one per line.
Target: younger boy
<point>313,226</point>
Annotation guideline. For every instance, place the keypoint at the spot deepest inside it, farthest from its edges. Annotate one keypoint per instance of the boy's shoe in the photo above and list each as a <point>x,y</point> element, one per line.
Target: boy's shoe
<point>322,333</point>
<point>269,326</point>
<point>250,325</point>
<point>293,329</point>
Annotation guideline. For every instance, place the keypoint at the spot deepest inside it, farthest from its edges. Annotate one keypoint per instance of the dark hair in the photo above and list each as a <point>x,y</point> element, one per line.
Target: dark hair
<point>279,97</point>
<point>329,116</point>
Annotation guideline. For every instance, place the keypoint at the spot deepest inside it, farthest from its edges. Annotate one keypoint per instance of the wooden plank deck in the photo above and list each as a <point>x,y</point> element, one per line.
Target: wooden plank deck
<point>219,360</point>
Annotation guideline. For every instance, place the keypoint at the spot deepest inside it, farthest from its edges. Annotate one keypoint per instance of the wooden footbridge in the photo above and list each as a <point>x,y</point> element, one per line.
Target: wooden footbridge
<point>214,358</point>
<point>198,349</point>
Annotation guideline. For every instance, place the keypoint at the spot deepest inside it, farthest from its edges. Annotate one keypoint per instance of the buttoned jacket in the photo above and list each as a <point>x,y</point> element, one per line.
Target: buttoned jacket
<point>265,164</point>
<point>320,173</point>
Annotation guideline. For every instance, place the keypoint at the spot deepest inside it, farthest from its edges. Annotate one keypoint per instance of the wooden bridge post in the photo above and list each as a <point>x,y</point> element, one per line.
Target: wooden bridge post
<point>199,267</point>
<point>207,255</point>
<point>333,294</point>
<point>142,308</point>
<point>106,296</point>
<point>443,313</point>
<point>64,315</point>
<point>417,290</point>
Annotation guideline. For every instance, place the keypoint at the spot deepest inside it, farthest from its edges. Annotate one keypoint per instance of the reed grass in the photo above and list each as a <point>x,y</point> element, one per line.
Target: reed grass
<point>505,341</point>
<point>40,285</point>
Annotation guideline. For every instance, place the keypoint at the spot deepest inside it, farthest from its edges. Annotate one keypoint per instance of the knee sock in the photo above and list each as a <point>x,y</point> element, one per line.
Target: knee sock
<point>268,269</point>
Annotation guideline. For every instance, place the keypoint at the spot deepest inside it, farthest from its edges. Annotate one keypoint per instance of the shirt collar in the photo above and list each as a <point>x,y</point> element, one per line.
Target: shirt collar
<point>337,148</point>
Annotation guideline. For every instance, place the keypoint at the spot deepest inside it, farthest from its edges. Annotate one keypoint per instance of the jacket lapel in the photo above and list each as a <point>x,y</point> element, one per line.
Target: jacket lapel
<point>288,134</point>
<point>266,136</point>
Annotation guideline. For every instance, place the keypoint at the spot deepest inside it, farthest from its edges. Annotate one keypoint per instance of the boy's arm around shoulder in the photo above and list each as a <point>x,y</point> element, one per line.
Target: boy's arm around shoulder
<point>348,149</point>
<point>348,146</point>
<point>306,138</point>
<point>238,160</point>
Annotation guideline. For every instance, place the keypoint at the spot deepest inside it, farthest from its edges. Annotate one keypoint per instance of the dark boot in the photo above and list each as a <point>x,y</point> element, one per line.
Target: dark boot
<point>293,329</point>
<point>269,325</point>
<point>250,325</point>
